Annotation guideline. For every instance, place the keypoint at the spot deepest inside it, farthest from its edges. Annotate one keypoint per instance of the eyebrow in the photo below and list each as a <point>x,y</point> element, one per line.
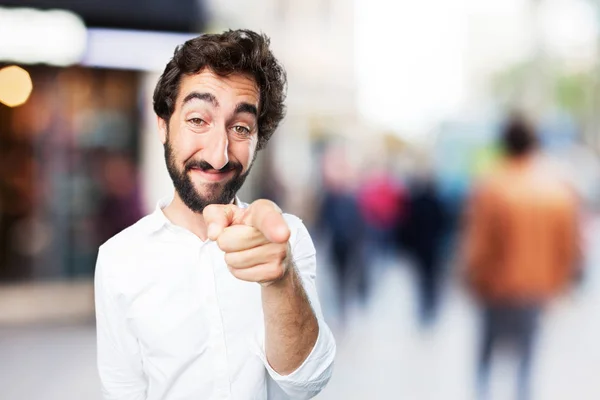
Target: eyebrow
<point>207,97</point>
<point>210,98</point>
<point>246,108</point>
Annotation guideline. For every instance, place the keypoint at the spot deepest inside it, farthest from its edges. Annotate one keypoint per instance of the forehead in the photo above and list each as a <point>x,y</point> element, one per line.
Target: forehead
<point>231,89</point>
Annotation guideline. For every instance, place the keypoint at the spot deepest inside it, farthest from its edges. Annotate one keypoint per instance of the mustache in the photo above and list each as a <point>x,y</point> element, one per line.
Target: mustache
<point>203,165</point>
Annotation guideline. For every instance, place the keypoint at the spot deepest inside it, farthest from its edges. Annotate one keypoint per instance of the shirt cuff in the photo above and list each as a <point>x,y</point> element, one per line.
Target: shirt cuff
<point>314,372</point>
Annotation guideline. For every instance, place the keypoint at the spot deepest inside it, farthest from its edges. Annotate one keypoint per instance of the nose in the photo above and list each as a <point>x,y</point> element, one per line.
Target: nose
<point>217,149</point>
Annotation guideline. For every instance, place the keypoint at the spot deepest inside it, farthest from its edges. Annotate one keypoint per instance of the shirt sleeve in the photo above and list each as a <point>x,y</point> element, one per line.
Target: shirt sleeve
<point>119,359</point>
<point>314,373</point>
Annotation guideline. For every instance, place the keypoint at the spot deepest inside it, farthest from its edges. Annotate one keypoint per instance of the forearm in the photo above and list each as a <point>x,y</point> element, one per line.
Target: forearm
<point>291,327</point>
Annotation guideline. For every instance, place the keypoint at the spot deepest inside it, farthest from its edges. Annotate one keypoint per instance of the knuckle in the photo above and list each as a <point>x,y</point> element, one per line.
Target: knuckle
<point>276,273</point>
<point>281,253</point>
<point>223,242</point>
<point>255,234</point>
<point>230,259</point>
<point>234,272</point>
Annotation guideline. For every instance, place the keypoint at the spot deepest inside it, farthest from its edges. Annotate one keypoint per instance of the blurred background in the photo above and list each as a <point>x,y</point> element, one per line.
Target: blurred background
<point>394,112</point>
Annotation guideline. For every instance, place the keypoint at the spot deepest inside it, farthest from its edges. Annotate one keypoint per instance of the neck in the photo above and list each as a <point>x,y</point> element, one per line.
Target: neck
<point>522,158</point>
<point>179,214</point>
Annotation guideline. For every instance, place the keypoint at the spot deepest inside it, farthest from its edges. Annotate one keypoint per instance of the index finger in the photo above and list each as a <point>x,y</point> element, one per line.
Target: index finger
<point>266,216</point>
<point>217,217</point>
<point>240,237</point>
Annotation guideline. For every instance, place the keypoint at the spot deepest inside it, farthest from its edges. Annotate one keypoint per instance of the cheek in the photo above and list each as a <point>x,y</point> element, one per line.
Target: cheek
<point>243,153</point>
<point>186,145</point>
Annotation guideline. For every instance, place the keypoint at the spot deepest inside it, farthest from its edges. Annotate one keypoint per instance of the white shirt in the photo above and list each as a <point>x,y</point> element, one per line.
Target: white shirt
<point>174,324</point>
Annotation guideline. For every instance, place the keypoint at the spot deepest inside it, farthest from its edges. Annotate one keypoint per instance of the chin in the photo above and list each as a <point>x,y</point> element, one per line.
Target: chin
<point>208,192</point>
<point>212,193</point>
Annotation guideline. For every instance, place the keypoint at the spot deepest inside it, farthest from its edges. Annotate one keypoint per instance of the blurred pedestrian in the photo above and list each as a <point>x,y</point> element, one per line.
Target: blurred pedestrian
<point>421,235</point>
<point>381,200</point>
<point>339,220</point>
<point>521,248</point>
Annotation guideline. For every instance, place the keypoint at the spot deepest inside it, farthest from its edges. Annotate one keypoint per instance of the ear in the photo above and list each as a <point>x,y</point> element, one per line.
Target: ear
<point>162,129</point>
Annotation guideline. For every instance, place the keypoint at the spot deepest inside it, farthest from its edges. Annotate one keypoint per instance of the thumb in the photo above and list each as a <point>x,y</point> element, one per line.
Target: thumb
<point>217,217</point>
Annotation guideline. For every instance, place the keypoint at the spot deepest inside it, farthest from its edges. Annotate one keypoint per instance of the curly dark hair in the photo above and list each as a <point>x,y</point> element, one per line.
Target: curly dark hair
<point>233,51</point>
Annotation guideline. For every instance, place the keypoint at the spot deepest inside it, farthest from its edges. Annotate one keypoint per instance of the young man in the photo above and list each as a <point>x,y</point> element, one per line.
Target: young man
<point>209,297</point>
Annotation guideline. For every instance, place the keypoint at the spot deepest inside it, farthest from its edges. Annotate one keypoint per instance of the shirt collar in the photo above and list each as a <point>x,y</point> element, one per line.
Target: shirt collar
<point>158,219</point>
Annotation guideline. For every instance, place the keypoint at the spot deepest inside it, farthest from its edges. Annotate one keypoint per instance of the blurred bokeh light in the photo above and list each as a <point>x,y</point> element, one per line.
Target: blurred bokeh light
<point>15,86</point>
<point>30,36</point>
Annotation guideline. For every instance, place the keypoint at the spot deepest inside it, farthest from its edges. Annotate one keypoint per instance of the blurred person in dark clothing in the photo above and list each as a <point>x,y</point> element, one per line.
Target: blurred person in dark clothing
<point>421,234</point>
<point>521,248</point>
<point>339,219</point>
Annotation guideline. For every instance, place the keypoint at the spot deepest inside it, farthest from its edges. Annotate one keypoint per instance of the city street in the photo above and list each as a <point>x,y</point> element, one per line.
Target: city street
<point>381,355</point>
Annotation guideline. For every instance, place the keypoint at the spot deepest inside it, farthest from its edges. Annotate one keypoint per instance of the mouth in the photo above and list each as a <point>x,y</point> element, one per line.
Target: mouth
<point>212,175</point>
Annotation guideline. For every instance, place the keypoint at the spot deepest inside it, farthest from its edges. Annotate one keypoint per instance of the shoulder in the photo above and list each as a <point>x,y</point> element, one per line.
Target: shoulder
<point>125,245</point>
<point>482,186</point>
<point>293,221</point>
<point>300,239</point>
<point>130,235</point>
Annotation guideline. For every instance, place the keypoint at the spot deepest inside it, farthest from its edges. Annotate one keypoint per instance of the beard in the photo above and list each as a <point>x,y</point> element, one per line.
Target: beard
<point>215,193</point>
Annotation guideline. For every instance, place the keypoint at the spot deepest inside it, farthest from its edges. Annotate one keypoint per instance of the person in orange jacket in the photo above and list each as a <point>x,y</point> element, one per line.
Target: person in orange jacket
<point>521,247</point>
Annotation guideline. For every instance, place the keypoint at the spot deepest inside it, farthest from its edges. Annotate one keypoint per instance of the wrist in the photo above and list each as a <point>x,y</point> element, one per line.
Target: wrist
<point>286,280</point>
<point>286,266</point>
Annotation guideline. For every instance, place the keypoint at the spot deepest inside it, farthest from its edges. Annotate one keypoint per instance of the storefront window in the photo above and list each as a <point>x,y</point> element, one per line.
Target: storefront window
<point>68,171</point>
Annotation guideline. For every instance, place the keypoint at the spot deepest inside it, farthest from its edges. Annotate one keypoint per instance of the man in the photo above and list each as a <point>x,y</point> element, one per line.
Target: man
<point>521,247</point>
<point>339,220</point>
<point>421,234</point>
<point>209,297</point>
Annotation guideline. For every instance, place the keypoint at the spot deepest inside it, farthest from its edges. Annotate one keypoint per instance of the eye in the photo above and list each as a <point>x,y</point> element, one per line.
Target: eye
<point>242,130</point>
<point>197,121</point>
